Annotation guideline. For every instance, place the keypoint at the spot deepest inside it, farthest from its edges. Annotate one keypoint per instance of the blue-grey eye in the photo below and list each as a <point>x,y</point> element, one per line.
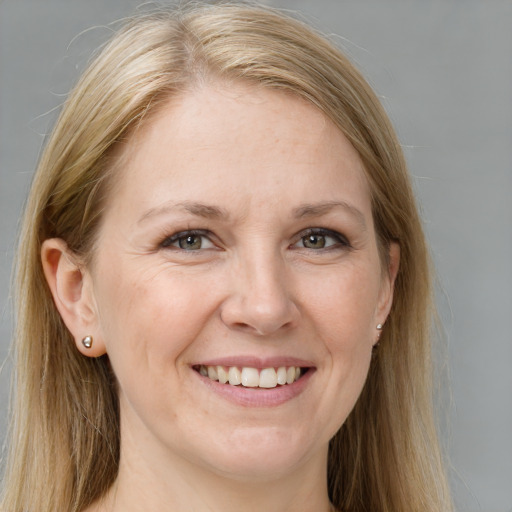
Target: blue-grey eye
<point>322,239</point>
<point>314,241</point>
<point>188,241</point>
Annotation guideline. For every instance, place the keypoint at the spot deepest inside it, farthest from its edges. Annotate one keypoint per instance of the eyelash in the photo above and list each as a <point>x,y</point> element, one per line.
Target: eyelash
<point>168,241</point>
<point>340,240</point>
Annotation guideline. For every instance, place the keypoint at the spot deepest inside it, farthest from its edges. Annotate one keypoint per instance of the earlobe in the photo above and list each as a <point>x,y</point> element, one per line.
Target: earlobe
<point>71,289</point>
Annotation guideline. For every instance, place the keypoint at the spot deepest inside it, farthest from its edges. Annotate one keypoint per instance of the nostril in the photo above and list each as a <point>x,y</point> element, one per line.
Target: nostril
<point>259,306</point>
<point>261,329</point>
<point>258,323</point>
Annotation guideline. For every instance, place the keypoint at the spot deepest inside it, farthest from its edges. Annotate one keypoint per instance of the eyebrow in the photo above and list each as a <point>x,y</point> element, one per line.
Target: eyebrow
<point>318,209</point>
<point>214,212</point>
<point>199,209</point>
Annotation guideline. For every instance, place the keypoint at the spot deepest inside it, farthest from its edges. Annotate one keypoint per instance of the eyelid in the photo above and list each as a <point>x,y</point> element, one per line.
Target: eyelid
<point>340,238</point>
<point>168,241</point>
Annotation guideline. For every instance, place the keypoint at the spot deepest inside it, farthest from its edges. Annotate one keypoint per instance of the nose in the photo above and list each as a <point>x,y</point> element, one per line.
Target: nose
<point>261,300</point>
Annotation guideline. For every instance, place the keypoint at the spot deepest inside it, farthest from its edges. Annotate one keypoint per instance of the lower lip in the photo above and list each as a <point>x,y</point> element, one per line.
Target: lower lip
<point>258,397</point>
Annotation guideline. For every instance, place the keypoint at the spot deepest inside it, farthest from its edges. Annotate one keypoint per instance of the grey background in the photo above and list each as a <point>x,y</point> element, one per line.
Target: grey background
<point>444,72</point>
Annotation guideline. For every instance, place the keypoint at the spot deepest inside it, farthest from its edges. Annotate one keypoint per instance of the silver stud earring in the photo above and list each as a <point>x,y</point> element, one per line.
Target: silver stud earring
<point>379,332</point>
<point>87,342</point>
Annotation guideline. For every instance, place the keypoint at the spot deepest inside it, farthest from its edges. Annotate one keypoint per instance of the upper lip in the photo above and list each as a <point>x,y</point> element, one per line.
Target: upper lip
<point>256,362</point>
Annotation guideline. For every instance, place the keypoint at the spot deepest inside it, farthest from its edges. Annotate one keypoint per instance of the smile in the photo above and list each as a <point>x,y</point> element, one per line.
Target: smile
<point>266,378</point>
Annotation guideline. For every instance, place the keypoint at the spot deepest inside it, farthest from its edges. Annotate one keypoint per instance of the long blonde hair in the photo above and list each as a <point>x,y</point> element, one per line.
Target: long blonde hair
<point>64,437</point>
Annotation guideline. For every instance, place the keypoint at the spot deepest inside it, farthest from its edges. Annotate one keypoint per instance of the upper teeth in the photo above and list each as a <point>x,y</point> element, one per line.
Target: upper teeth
<point>252,377</point>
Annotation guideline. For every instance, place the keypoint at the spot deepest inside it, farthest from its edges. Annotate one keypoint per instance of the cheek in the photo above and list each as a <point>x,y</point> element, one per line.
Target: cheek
<point>344,307</point>
<point>149,318</point>
<point>341,312</point>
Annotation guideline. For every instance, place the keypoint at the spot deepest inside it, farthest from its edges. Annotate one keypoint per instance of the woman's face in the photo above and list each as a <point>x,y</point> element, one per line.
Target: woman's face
<point>238,243</point>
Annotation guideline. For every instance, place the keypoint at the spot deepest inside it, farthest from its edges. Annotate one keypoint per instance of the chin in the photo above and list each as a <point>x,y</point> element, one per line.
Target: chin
<point>259,455</point>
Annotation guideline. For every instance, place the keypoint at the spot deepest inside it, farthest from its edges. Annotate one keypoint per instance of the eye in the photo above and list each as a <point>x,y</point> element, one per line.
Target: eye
<point>188,241</point>
<point>319,238</point>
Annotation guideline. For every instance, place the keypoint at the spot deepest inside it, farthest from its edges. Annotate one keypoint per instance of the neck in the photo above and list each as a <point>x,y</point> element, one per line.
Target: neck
<point>146,484</point>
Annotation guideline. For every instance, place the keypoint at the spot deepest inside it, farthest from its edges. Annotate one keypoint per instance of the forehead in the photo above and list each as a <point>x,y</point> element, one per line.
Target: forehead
<point>224,138</point>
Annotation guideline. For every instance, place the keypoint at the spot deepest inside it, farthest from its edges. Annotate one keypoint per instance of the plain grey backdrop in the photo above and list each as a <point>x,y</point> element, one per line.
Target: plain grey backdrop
<point>443,70</point>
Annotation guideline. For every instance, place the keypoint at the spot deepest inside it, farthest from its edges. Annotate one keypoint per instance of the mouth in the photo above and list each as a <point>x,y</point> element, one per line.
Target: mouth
<point>249,377</point>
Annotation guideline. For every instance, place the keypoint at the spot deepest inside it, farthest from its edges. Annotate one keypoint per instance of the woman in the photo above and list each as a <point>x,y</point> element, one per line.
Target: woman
<point>223,294</point>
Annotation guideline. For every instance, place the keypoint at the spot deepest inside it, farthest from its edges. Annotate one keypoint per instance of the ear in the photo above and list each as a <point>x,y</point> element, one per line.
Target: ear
<point>71,287</point>
<point>388,283</point>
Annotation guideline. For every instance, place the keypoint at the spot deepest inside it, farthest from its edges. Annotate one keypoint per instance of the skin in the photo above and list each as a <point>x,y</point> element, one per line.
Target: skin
<point>257,287</point>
